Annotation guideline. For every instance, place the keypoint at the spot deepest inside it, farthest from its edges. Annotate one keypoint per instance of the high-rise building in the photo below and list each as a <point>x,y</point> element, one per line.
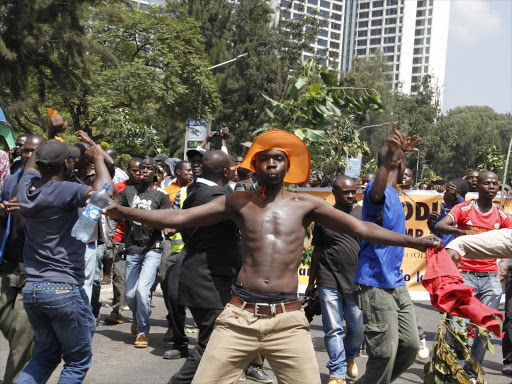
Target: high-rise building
<point>413,35</point>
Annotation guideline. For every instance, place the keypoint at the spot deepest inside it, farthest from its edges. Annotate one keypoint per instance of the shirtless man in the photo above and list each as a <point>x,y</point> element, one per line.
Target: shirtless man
<point>264,316</point>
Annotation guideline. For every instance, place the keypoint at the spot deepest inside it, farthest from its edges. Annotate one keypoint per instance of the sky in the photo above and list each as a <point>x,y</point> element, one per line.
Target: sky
<point>479,56</point>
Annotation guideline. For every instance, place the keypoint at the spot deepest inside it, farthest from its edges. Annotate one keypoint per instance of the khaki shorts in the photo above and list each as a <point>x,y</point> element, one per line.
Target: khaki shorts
<point>283,339</point>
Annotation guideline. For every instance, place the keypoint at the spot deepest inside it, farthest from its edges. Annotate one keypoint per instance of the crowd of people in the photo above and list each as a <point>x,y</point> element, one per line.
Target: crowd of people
<point>224,240</point>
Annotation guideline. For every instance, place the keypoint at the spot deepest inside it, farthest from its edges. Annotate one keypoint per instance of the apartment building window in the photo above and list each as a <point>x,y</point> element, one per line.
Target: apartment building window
<point>323,33</point>
<point>376,32</point>
<point>377,13</point>
<point>285,4</point>
<point>373,50</point>
<point>430,22</point>
<point>416,69</point>
<point>396,76</point>
<point>417,60</point>
<point>390,58</point>
<point>420,23</point>
<point>334,45</point>
<point>400,29</point>
<point>391,21</point>
<point>418,51</point>
<point>391,11</point>
<point>312,10</point>
<point>427,60</point>
<point>376,23</point>
<point>286,14</point>
<point>420,13</point>
<point>298,7</point>
<point>389,40</point>
<point>427,50</point>
<point>336,16</point>
<point>337,26</point>
<point>333,54</point>
<point>321,52</point>
<point>325,4</point>
<point>389,49</point>
<point>377,4</point>
<point>363,24</point>
<point>375,41</point>
<point>363,15</point>
<point>362,33</point>
<point>364,6</point>
<point>414,88</point>
<point>418,41</point>
<point>335,36</point>
<point>415,79</point>
<point>419,32</point>
<point>361,52</point>
<point>431,3</point>
<point>428,40</point>
<point>430,12</point>
<point>429,31</point>
<point>397,67</point>
<point>313,2</point>
<point>322,61</point>
<point>390,30</point>
<point>361,43</point>
<point>297,16</point>
<point>337,7</point>
<point>322,42</point>
<point>324,13</point>
<point>401,19</point>
<point>390,3</point>
<point>323,23</point>
<point>425,69</point>
<point>421,4</point>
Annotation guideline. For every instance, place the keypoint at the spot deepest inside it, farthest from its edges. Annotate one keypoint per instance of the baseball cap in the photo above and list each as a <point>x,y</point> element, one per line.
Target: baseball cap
<point>54,152</point>
<point>148,160</point>
<point>161,157</point>
<point>200,150</point>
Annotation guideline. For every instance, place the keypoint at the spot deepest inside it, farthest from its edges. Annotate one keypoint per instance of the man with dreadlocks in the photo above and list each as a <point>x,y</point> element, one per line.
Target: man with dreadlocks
<point>264,315</point>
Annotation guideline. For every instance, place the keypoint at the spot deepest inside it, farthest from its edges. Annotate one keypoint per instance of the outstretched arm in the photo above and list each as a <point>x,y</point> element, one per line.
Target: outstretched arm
<point>215,211</point>
<point>341,222</point>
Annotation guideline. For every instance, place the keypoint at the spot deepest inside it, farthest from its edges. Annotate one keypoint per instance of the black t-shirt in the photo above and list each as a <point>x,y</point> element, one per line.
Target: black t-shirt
<point>338,263</point>
<point>140,238</point>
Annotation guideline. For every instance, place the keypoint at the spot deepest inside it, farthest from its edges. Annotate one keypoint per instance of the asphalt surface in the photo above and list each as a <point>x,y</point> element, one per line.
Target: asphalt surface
<point>116,361</point>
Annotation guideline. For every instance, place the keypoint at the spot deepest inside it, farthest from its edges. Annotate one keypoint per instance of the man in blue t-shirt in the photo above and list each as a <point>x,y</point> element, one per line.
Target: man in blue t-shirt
<point>391,333</point>
<point>56,304</point>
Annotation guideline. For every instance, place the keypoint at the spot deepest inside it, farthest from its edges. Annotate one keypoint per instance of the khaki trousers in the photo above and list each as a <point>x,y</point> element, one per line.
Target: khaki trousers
<point>495,244</point>
<point>239,336</point>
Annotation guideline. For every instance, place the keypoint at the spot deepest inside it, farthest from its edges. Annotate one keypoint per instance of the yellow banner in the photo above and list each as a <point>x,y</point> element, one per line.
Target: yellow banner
<point>417,206</point>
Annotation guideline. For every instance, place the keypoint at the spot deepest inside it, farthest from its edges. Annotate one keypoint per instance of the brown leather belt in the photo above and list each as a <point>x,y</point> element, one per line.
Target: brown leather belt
<point>265,309</point>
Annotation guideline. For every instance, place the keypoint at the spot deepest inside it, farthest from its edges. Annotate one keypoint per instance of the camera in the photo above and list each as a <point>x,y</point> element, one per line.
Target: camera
<point>223,132</point>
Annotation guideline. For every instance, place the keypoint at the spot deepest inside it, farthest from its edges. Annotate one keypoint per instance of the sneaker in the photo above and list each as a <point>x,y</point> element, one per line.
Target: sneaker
<point>134,327</point>
<point>423,352</point>
<point>352,370</point>
<point>141,341</point>
<point>256,373</point>
<point>242,377</point>
<point>336,380</point>
<point>175,354</point>
<point>507,369</point>
<point>126,308</point>
<point>114,319</point>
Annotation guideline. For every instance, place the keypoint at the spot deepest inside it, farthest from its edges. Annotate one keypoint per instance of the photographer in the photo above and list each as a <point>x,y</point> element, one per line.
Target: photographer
<point>223,133</point>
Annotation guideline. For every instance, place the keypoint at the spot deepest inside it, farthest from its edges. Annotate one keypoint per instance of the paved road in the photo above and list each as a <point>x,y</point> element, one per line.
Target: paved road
<point>116,361</point>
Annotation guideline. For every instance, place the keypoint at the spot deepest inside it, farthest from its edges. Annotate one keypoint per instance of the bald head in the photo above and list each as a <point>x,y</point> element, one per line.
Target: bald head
<point>485,175</point>
<point>344,191</point>
<point>31,144</point>
<point>111,152</point>
<point>344,182</point>
<point>216,167</point>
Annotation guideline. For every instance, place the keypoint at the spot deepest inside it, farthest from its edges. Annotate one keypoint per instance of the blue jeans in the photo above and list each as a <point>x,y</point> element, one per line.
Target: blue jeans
<point>90,268</point>
<point>63,325</point>
<point>140,275</point>
<point>341,350</point>
<point>488,291</point>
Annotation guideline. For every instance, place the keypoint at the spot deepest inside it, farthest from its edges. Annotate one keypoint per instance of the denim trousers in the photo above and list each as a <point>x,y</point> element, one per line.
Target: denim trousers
<point>488,291</point>
<point>335,307</point>
<point>63,325</point>
<point>90,268</point>
<point>141,271</point>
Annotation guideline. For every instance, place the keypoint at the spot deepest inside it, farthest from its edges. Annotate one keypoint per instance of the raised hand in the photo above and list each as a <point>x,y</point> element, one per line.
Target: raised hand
<point>396,140</point>
<point>408,145</point>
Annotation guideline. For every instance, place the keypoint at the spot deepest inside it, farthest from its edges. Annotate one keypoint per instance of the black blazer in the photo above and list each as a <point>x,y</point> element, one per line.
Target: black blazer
<point>212,258</point>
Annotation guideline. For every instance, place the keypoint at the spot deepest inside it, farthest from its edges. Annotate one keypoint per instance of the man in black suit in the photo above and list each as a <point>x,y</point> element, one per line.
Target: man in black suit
<point>213,257</point>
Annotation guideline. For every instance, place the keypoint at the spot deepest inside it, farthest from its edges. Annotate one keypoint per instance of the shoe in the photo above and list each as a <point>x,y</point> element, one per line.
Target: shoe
<point>423,352</point>
<point>352,370</point>
<point>242,377</point>
<point>168,336</point>
<point>141,341</point>
<point>507,369</point>
<point>126,308</point>
<point>175,354</point>
<point>134,327</point>
<point>114,319</point>
<point>256,373</point>
<point>336,380</point>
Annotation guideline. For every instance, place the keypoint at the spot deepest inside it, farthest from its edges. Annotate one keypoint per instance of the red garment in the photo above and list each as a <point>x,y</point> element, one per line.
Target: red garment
<point>119,233</point>
<point>449,294</point>
<point>467,216</point>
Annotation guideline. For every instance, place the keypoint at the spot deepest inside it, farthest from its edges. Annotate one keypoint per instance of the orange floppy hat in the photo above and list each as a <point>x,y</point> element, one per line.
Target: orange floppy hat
<point>295,149</point>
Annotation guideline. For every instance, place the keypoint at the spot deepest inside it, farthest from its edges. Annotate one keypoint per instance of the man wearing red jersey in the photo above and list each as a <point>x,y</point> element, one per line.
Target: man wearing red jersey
<point>118,271</point>
<point>472,217</point>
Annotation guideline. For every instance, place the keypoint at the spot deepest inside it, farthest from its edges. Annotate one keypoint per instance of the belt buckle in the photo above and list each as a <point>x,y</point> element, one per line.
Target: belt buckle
<point>258,305</point>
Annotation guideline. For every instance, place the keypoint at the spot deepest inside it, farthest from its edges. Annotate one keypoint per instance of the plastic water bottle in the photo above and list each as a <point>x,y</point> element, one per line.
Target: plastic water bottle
<point>85,225</point>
